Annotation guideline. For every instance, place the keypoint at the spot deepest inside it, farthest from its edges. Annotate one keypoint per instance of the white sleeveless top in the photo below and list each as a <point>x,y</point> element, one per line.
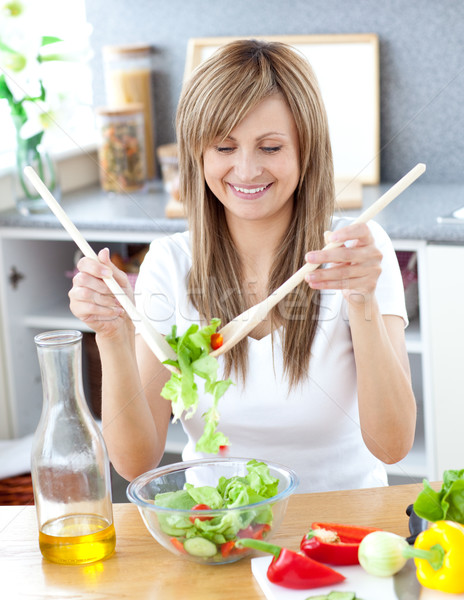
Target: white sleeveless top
<point>314,429</point>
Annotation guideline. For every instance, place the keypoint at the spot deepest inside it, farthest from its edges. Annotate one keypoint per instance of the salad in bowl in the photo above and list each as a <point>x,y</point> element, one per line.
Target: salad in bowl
<point>199,509</point>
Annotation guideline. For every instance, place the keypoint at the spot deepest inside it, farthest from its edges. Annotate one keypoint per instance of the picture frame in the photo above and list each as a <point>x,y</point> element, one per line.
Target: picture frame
<point>347,68</point>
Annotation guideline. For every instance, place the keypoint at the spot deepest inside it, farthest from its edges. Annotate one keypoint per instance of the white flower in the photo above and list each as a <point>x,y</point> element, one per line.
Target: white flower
<point>40,117</point>
<point>54,115</point>
<point>22,75</point>
<point>12,9</point>
<point>47,79</point>
<point>19,48</point>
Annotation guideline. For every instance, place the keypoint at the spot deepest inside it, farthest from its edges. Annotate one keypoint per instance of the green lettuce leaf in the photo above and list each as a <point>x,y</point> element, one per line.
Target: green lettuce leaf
<point>447,503</point>
<point>205,495</point>
<point>193,358</point>
<point>180,499</point>
<point>428,503</point>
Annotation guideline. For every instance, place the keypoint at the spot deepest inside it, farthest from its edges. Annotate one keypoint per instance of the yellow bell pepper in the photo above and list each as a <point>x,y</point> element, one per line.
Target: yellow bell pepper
<point>439,557</point>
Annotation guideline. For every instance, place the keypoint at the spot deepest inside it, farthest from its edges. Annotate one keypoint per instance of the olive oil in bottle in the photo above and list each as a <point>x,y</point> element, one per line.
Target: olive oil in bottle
<point>77,539</point>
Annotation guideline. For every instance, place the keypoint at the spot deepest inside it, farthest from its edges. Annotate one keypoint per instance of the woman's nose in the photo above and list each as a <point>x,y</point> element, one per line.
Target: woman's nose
<point>247,166</point>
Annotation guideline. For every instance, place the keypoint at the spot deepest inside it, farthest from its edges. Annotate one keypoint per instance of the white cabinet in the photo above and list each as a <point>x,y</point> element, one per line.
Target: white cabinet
<point>421,460</point>
<point>33,294</point>
<point>445,294</point>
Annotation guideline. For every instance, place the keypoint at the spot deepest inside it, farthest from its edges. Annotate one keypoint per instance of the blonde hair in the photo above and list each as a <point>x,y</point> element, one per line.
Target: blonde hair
<point>218,95</point>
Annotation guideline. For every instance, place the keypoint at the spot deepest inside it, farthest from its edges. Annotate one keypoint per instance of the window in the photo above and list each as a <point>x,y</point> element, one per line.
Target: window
<point>73,124</point>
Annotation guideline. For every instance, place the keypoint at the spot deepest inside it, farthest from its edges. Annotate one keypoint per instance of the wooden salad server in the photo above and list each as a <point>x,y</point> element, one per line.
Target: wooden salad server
<point>155,341</point>
<point>241,326</point>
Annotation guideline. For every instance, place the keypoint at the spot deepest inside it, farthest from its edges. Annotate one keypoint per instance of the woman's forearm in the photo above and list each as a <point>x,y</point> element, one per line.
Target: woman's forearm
<point>387,406</point>
<point>135,441</point>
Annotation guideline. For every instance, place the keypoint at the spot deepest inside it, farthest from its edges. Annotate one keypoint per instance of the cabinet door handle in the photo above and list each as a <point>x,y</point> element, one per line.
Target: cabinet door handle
<point>15,277</point>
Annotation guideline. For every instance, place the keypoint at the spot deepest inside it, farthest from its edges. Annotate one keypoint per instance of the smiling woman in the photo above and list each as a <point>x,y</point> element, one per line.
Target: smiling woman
<point>322,385</point>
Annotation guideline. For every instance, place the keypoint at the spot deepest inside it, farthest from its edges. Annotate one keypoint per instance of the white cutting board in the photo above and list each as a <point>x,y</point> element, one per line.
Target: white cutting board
<point>357,580</point>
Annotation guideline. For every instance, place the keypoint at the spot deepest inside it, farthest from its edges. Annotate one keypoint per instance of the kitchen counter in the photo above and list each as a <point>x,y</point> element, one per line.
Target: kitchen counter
<point>412,216</point>
<point>143,569</point>
<point>92,209</point>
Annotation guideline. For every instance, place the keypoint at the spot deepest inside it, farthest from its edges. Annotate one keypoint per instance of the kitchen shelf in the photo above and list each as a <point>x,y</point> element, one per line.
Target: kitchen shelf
<point>412,466</point>
<point>176,438</point>
<point>414,337</point>
<point>57,316</point>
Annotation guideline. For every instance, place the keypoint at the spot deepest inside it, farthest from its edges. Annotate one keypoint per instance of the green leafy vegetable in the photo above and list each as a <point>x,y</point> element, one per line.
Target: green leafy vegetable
<point>445,504</point>
<point>233,492</point>
<point>193,358</point>
<point>205,495</point>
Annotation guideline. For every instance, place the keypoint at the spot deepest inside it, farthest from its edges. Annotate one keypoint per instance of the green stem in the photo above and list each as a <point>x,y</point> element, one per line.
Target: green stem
<point>28,152</point>
<point>20,165</point>
<point>40,165</point>
<point>259,545</point>
<point>434,556</point>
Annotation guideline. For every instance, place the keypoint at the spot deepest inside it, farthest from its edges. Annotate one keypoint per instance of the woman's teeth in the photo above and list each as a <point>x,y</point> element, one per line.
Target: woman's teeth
<point>250,191</point>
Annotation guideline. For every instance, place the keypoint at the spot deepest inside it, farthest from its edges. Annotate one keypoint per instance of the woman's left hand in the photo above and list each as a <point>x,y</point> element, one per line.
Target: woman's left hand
<point>354,269</point>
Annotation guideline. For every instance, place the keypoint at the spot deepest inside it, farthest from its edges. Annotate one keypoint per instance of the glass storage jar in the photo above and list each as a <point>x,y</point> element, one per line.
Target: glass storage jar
<point>121,152</point>
<point>128,79</point>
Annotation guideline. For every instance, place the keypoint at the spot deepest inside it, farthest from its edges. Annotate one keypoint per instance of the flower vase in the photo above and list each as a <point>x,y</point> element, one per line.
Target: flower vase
<point>32,152</point>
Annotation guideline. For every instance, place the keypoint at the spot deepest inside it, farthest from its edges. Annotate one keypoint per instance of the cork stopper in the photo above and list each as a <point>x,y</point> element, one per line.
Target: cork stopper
<point>129,50</point>
<point>120,111</point>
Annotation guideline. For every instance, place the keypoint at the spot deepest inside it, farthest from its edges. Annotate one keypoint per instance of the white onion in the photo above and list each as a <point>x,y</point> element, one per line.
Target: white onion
<point>381,553</point>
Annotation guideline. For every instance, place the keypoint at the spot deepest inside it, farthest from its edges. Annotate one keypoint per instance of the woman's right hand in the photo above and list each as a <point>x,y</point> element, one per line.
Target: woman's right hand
<point>91,300</point>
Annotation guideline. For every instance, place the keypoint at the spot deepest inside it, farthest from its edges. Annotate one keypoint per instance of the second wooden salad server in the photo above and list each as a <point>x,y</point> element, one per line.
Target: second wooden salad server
<point>241,326</point>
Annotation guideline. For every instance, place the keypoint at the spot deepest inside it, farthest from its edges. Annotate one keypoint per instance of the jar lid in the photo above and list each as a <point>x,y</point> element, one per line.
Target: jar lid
<point>167,150</point>
<point>115,111</point>
<point>129,50</point>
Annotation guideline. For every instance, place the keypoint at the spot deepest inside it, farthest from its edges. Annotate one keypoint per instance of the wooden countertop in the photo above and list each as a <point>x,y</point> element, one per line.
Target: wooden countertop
<point>142,569</point>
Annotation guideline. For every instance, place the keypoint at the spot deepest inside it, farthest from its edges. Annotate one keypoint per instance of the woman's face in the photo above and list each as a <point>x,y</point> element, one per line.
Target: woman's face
<point>255,170</point>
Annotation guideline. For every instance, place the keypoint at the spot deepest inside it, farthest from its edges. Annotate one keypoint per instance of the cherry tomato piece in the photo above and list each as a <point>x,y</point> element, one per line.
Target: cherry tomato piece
<point>201,517</point>
<point>216,340</point>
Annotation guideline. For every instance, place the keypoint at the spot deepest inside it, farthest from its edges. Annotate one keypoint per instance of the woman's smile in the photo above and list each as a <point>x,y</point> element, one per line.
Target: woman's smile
<point>250,193</point>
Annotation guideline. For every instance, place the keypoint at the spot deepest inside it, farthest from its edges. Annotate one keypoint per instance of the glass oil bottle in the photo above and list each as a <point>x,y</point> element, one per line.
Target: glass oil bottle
<point>69,463</point>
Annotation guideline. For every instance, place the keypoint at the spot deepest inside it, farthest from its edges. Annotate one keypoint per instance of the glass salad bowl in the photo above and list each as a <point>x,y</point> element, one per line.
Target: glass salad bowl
<point>199,509</point>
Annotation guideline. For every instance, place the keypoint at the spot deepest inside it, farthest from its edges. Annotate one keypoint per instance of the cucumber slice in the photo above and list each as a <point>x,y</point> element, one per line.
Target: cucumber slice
<point>335,596</point>
<point>198,546</point>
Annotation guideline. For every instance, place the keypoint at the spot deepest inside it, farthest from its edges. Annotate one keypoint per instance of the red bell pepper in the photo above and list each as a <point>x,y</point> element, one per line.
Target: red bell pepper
<point>256,532</point>
<point>226,548</point>
<point>229,548</point>
<point>178,545</point>
<point>333,543</point>
<point>292,569</point>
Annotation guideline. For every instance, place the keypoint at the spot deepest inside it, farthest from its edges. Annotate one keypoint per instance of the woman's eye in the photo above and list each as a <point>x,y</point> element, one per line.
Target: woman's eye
<point>224,149</point>
<point>270,149</point>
